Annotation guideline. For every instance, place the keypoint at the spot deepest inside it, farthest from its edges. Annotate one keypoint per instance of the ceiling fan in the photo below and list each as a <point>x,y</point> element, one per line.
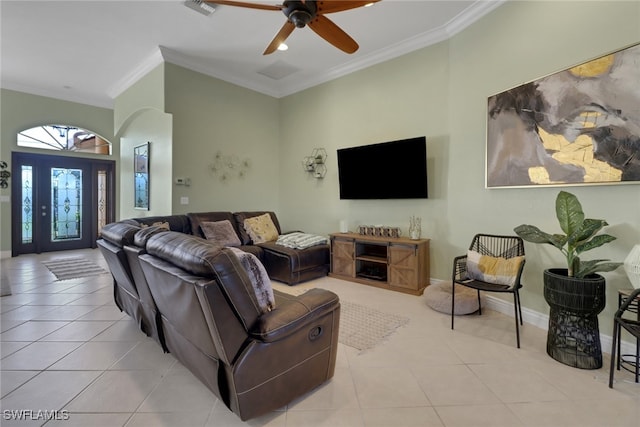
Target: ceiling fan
<point>308,12</point>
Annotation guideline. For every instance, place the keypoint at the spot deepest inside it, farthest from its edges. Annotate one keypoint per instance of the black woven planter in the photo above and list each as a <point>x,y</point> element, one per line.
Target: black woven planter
<point>574,336</point>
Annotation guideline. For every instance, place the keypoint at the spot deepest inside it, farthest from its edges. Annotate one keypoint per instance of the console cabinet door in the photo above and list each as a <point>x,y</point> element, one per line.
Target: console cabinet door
<point>342,257</point>
<point>403,266</point>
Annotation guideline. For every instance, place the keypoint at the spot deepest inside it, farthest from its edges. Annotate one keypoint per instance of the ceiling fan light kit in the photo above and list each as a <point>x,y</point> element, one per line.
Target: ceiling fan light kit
<point>307,13</point>
<point>200,6</point>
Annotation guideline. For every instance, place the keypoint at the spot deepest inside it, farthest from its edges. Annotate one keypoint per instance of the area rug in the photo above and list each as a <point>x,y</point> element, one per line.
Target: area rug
<point>73,268</point>
<point>363,327</point>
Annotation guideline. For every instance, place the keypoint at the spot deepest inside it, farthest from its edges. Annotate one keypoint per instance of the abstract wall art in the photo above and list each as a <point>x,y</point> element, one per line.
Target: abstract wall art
<point>579,126</point>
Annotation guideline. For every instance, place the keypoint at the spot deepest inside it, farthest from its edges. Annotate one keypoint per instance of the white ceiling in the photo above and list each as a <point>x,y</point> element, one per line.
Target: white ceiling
<point>90,51</point>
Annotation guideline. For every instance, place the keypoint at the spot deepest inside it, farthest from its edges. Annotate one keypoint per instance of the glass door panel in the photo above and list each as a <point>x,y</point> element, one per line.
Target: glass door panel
<point>66,204</point>
<point>60,203</point>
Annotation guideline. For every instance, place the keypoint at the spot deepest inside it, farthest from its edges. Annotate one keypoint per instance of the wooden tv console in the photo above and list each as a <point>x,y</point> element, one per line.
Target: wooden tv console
<point>398,264</point>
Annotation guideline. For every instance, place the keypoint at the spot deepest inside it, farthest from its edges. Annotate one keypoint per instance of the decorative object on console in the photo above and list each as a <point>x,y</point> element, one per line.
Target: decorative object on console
<point>315,163</point>
<point>226,167</point>
<point>415,227</point>
<point>632,266</point>
<point>378,230</point>
<point>4,174</point>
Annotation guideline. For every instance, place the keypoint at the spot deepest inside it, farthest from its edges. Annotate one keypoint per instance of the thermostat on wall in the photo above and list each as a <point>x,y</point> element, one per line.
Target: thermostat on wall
<point>183,181</point>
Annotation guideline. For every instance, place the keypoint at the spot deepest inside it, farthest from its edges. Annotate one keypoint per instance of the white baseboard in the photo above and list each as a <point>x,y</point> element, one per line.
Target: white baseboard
<point>5,254</point>
<point>541,321</point>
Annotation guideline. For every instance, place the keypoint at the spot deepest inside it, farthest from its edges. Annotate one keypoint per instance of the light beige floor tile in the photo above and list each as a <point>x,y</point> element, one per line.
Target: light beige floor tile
<point>9,347</point>
<point>78,331</point>
<point>31,330</point>
<point>478,416</point>
<point>116,391</point>
<point>26,312</point>
<point>338,393</point>
<point>6,325</point>
<point>328,418</point>
<point>38,355</point>
<point>121,330</point>
<point>621,412</point>
<point>65,312</point>
<point>517,383</point>
<point>221,416</point>
<point>453,385</point>
<point>93,420</point>
<point>401,417</point>
<point>53,299</point>
<point>11,380</point>
<point>179,391</point>
<point>390,387</point>
<point>169,419</point>
<point>145,355</point>
<point>92,356</point>
<point>96,298</point>
<point>49,390</point>
<point>549,414</point>
<point>106,312</point>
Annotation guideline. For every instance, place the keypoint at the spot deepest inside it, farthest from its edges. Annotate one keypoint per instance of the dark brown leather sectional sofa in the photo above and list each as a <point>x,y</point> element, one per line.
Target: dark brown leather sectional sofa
<point>195,299</point>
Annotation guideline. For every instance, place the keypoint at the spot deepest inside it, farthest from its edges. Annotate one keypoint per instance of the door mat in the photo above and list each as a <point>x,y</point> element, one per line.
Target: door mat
<point>73,268</point>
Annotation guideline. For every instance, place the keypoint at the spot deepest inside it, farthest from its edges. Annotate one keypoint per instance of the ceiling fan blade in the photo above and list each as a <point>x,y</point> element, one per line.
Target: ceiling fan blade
<point>339,6</point>
<point>329,31</point>
<point>245,4</point>
<point>282,35</point>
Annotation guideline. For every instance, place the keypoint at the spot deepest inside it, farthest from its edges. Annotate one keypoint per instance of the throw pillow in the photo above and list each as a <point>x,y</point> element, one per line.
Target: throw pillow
<point>221,232</point>
<point>498,270</point>
<point>159,224</point>
<point>261,228</point>
<point>259,279</point>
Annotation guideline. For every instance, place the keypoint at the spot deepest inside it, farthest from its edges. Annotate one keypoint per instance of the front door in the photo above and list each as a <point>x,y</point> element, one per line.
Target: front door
<point>59,203</point>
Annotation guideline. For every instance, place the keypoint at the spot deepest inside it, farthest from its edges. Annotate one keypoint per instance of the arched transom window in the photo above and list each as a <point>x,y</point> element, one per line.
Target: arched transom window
<point>63,138</point>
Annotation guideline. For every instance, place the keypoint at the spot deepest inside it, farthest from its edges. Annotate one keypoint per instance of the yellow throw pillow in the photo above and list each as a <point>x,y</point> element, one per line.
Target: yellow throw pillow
<point>261,228</point>
<point>502,271</point>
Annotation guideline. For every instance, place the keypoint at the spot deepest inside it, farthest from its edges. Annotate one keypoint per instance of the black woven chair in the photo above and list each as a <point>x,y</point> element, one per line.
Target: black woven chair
<point>631,326</point>
<point>495,246</point>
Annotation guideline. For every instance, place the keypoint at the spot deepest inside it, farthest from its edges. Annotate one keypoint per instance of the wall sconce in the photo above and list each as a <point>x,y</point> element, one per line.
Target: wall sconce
<point>315,163</point>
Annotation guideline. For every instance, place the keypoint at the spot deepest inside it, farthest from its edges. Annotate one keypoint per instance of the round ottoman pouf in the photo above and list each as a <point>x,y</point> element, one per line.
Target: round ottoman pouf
<point>438,297</point>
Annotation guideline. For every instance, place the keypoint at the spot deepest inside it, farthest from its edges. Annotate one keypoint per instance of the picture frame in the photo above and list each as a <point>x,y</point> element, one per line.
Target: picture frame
<point>141,176</point>
<point>578,126</point>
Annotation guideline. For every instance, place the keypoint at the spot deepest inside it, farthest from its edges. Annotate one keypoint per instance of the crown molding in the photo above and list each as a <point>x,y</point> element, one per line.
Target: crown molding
<point>277,89</point>
<point>62,94</point>
<point>144,68</point>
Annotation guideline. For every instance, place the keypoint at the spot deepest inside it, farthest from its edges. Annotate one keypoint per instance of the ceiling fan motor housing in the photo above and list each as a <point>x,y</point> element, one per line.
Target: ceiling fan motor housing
<point>300,13</point>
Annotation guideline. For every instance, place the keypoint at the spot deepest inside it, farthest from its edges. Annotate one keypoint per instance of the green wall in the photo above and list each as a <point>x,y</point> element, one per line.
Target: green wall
<point>214,118</point>
<point>441,92</point>
<point>20,111</point>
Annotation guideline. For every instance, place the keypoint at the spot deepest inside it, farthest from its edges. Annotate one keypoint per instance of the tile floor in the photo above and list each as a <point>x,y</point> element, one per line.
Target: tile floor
<point>65,346</point>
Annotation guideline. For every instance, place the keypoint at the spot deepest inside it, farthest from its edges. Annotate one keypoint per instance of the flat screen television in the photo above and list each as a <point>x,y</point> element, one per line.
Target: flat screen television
<point>388,170</point>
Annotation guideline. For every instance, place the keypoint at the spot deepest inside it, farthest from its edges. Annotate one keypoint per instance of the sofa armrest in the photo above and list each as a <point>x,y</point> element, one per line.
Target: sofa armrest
<point>294,314</point>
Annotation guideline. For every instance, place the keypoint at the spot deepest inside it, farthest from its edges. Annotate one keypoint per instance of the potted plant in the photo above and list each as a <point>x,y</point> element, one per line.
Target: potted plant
<point>576,294</point>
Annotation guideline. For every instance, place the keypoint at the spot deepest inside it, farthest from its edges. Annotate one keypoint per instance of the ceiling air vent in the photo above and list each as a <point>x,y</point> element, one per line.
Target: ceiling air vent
<point>201,7</point>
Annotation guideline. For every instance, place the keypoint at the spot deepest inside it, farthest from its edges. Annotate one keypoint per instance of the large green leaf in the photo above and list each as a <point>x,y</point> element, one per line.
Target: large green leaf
<point>569,212</point>
<point>596,242</point>
<point>595,266</point>
<point>589,228</point>
<point>533,234</point>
